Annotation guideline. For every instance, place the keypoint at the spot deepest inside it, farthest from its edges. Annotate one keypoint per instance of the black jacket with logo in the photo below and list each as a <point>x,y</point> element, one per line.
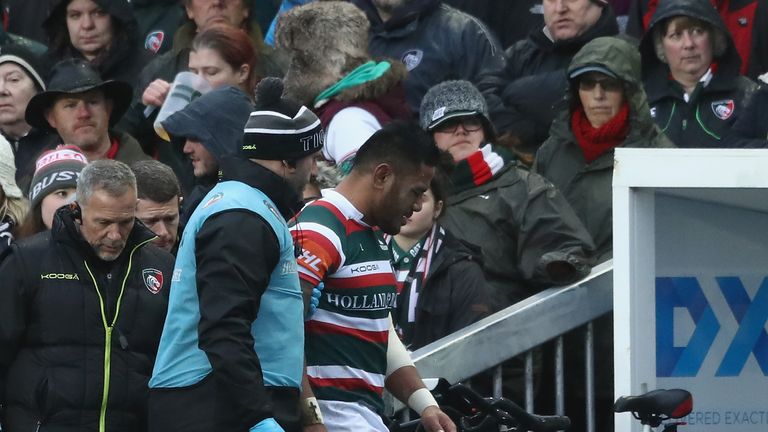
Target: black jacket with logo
<point>713,108</point>
<point>66,317</point>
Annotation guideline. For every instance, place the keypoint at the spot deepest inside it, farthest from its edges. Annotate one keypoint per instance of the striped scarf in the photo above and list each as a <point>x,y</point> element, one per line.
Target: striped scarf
<point>478,168</point>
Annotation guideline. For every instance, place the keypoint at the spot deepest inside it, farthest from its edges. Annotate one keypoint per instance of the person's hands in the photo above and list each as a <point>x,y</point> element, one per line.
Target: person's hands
<point>435,420</point>
<point>155,93</point>
<point>315,299</point>
<point>315,428</point>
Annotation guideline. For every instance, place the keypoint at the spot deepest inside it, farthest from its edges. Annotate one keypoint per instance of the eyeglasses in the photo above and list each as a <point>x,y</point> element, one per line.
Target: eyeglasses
<point>607,84</point>
<point>470,124</point>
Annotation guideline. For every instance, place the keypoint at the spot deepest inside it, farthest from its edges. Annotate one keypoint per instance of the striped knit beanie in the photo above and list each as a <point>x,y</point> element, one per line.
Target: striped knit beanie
<point>280,128</point>
<point>54,170</point>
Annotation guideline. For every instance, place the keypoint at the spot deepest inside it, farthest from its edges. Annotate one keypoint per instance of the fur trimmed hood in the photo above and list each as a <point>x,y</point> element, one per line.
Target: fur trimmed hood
<point>325,40</point>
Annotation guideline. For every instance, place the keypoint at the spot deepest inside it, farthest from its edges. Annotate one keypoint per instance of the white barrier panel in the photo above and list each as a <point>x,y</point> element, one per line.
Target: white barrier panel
<point>691,282</point>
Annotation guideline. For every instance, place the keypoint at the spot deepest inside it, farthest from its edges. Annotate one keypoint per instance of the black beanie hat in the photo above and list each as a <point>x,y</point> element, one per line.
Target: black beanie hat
<point>280,128</point>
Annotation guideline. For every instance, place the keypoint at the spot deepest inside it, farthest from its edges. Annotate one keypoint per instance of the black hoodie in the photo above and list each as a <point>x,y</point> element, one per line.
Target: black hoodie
<point>712,108</point>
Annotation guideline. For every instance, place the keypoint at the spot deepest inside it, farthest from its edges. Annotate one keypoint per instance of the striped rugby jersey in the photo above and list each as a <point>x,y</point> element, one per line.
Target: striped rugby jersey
<point>346,337</point>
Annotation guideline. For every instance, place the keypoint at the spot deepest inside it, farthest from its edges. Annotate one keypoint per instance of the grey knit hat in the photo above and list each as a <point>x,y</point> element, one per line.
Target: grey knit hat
<point>451,99</point>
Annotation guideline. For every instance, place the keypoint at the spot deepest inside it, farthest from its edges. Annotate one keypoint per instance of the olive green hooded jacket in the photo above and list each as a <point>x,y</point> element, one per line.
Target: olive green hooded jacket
<point>587,186</point>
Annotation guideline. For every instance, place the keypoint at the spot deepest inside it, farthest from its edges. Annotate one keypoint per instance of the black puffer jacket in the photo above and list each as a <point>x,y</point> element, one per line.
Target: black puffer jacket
<point>125,58</point>
<point>534,80</point>
<point>713,108</point>
<point>437,43</point>
<point>66,316</point>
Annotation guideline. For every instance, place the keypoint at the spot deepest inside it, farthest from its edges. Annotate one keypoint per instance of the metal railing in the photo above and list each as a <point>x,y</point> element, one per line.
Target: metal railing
<point>519,329</point>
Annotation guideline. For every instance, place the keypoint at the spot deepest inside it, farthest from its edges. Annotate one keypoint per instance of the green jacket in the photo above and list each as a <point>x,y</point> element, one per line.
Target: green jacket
<point>524,227</point>
<point>587,186</point>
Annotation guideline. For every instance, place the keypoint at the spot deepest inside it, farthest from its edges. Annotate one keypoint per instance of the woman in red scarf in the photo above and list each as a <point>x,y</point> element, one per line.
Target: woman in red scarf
<point>607,108</point>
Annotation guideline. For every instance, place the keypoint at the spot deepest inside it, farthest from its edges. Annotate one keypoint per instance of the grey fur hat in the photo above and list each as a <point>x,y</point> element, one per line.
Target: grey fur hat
<point>325,40</point>
<point>451,99</point>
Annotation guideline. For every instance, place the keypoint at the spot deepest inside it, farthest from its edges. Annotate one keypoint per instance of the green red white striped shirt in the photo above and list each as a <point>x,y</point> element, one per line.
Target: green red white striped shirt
<point>346,337</point>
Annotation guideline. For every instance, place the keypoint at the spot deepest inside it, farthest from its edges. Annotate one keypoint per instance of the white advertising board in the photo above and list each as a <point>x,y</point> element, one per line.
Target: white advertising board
<point>691,282</point>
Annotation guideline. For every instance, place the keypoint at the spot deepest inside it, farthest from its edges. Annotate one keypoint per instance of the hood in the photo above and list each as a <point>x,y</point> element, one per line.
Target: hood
<point>621,58</point>
<point>605,26</point>
<point>120,10</point>
<point>728,63</point>
<point>216,119</point>
<point>410,11</point>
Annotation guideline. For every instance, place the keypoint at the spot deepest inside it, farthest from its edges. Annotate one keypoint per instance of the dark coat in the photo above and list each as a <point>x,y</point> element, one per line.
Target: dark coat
<point>712,109</point>
<point>510,21</point>
<point>437,43</point>
<point>158,21</point>
<point>751,128</point>
<point>534,79</point>
<point>454,294</point>
<point>60,306</point>
<point>524,225</point>
<point>26,151</point>
<point>588,186</point>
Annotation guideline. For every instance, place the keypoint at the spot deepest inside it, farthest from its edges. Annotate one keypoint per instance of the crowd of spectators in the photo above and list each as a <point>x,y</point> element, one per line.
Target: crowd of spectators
<point>523,103</point>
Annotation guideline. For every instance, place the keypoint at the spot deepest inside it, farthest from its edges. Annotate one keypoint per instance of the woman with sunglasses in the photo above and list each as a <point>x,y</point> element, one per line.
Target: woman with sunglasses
<point>606,108</point>
<point>530,236</point>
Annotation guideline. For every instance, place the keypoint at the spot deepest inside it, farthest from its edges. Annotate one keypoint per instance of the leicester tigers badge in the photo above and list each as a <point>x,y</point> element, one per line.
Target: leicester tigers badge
<point>153,280</point>
<point>723,109</point>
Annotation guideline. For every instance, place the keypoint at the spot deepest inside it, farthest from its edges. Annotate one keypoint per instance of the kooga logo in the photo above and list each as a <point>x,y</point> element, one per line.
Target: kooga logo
<point>67,276</point>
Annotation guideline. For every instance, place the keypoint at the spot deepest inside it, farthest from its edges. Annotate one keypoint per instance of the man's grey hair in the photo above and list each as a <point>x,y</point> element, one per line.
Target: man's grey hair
<point>113,177</point>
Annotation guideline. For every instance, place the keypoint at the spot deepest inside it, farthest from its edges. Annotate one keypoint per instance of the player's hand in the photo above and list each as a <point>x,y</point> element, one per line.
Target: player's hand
<point>435,420</point>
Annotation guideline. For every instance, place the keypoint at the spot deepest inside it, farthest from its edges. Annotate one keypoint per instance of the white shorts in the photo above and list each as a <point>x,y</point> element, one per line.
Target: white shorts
<point>350,417</point>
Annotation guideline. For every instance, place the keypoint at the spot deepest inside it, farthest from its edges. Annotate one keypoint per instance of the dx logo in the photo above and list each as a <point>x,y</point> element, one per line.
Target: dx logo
<point>685,292</point>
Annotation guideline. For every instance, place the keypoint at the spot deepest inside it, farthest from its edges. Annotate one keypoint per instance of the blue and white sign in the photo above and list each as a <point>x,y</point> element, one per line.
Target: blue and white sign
<point>691,283</point>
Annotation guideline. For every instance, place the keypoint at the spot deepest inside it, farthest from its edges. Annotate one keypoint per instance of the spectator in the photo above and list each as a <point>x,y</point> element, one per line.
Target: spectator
<point>606,108</point>
<point>691,74</point>
<point>332,72</point>
<point>231,351</point>
<point>435,42</point>
<point>208,129</point>
<point>351,330</point>
<point>103,32</point>
<point>221,54</point>
<point>13,206</point>
<point>531,237</point>
<point>21,77</point>
<point>53,186</point>
<point>201,15</point>
<point>81,311</point>
<point>750,130</point>
<point>159,200</point>
<point>158,20</point>
<point>440,282</point>
<point>81,109</point>
<point>747,22</point>
<point>534,77</point>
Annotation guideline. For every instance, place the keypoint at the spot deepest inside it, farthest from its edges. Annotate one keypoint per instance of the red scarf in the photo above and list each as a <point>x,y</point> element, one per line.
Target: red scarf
<point>596,141</point>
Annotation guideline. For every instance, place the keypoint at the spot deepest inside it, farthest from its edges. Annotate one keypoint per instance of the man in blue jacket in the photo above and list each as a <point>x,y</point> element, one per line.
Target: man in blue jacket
<point>231,355</point>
